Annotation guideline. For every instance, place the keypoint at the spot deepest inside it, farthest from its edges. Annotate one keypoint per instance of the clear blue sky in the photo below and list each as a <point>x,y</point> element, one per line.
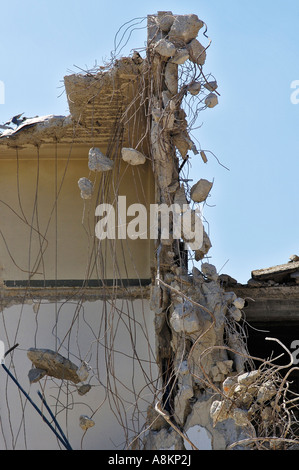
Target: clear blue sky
<point>253,214</point>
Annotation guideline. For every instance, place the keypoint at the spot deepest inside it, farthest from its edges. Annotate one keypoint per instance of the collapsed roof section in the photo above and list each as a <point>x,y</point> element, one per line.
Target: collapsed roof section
<point>96,103</point>
<point>283,273</point>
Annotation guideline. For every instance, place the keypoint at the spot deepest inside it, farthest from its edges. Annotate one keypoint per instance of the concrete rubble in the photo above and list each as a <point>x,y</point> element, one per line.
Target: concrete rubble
<point>195,318</point>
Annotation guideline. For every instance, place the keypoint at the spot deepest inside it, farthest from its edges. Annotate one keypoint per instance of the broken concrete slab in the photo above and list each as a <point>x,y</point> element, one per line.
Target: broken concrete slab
<point>197,52</point>
<point>56,365</point>
<point>132,156</point>
<point>97,161</point>
<point>279,273</point>
<point>185,27</point>
<point>200,191</point>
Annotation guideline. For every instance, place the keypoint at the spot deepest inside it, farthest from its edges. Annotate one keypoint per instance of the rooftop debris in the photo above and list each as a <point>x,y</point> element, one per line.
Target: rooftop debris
<point>281,274</point>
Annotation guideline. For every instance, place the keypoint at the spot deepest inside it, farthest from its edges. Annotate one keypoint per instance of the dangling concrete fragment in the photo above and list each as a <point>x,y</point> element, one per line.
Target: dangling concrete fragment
<point>185,27</point>
<point>55,365</point>
<point>197,52</point>
<point>86,187</point>
<point>83,389</point>
<point>203,156</point>
<point>86,422</point>
<point>200,191</point>
<point>211,86</point>
<point>194,88</point>
<point>165,48</point>
<point>97,161</point>
<point>183,143</point>
<point>211,100</point>
<point>132,156</point>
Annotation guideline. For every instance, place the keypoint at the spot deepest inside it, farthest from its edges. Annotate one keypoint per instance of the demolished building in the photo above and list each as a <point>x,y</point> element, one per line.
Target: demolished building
<point>134,342</point>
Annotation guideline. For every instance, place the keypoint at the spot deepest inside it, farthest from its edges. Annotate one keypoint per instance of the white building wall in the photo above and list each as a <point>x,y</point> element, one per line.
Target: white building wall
<point>102,333</point>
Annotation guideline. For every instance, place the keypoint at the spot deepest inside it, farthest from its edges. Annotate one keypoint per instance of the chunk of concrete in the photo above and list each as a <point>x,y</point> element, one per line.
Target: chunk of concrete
<point>86,422</point>
<point>83,389</point>
<point>248,378</point>
<point>239,303</point>
<point>210,271</point>
<point>200,191</point>
<point>197,52</point>
<point>211,86</point>
<point>184,319</point>
<point>171,78</point>
<point>211,100</point>
<point>132,156</point>
<point>86,187</point>
<point>55,365</point>
<point>185,27</point>
<point>266,392</point>
<point>235,313</point>
<point>183,143</point>
<point>97,161</point>
<point>165,20</point>
<point>194,88</point>
<point>165,48</point>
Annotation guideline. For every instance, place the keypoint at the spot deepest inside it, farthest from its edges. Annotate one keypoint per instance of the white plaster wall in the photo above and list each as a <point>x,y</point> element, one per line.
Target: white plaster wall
<point>81,329</point>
